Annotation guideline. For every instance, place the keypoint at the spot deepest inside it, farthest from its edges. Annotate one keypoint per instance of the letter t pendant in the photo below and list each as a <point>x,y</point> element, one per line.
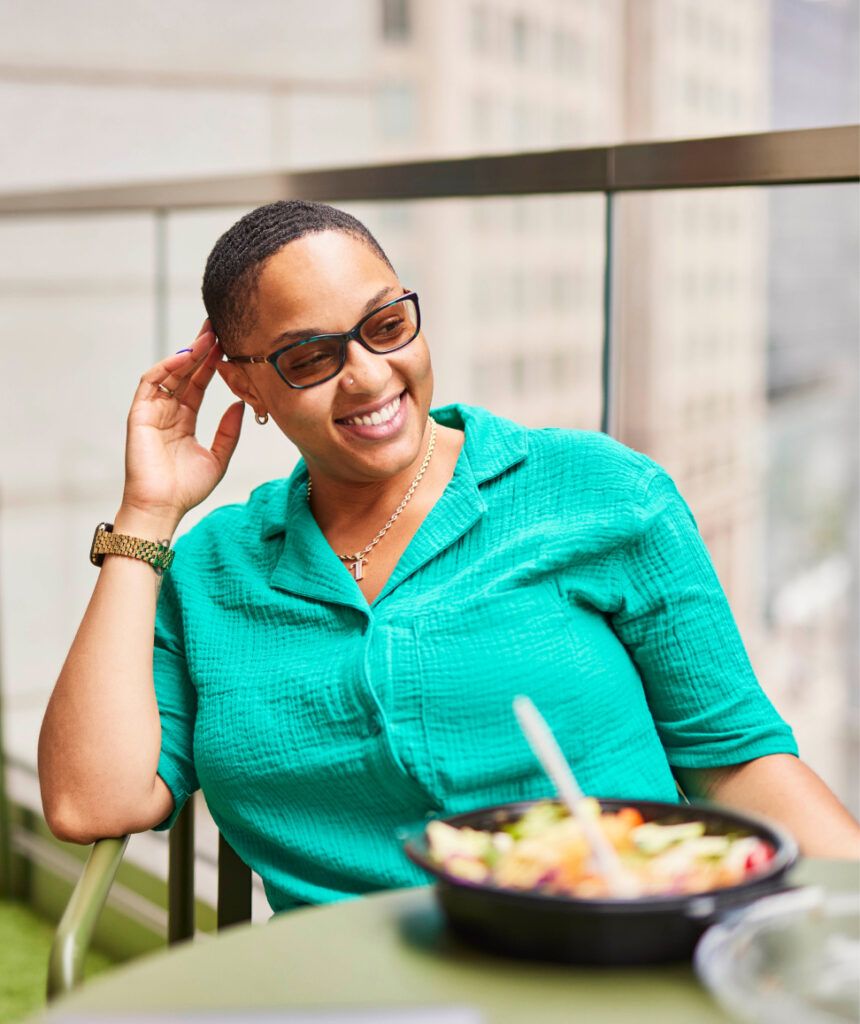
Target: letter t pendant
<point>356,570</point>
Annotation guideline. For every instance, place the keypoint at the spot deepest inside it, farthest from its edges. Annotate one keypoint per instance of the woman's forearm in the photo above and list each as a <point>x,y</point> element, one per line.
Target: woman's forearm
<point>101,733</point>
<point>783,788</point>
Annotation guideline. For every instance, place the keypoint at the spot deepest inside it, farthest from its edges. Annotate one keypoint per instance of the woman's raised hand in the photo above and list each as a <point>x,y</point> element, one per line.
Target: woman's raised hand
<point>167,472</point>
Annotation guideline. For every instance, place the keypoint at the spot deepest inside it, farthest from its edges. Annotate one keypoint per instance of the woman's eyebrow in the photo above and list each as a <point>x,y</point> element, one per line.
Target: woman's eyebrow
<point>301,333</point>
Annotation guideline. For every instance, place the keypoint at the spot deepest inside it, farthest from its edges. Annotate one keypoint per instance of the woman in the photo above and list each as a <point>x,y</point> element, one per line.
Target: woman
<point>336,658</point>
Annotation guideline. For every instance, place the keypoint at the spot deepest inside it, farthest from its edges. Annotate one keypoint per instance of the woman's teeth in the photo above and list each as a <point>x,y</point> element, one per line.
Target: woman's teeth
<point>383,416</point>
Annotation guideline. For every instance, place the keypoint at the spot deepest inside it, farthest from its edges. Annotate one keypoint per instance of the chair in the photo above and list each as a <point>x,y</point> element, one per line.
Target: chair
<point>75,930</point>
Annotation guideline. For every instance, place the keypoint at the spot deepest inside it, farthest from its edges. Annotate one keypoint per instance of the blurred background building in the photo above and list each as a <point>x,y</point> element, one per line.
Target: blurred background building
<point>736,310</point>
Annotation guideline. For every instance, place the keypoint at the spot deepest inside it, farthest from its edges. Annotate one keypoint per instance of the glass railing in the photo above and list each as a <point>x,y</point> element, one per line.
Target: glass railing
<point>698,299</point>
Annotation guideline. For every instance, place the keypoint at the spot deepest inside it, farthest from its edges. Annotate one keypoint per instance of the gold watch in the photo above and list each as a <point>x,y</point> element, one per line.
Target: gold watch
<point>105,542</point>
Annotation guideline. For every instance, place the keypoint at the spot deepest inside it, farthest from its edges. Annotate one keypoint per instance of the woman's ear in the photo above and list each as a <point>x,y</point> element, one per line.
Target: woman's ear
<point>237,381</point>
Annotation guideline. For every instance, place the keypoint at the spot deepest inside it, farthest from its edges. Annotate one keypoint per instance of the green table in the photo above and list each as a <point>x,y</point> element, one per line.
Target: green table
<point>389,950</point>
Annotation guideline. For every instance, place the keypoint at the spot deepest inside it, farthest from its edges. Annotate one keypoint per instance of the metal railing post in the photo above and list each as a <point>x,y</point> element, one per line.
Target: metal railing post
<point>607,380</point>
<point>5,815</point>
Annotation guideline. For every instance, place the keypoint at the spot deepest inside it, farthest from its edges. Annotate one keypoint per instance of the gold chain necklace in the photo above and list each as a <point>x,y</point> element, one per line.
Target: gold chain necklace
<point>358,559</point>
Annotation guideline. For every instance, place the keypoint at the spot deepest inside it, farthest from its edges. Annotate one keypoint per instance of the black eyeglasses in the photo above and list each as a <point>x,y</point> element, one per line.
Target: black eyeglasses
<point>304,364</point>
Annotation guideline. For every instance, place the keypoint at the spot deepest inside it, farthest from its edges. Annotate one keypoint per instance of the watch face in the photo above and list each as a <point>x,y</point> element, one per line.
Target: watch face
<point>98,559</point>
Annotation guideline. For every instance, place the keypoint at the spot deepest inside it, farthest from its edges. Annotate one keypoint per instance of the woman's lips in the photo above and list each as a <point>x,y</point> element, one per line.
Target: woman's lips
<point>379,431</point>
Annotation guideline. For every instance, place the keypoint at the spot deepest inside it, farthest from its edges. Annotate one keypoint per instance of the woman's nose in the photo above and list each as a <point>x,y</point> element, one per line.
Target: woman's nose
<point>369,371</point>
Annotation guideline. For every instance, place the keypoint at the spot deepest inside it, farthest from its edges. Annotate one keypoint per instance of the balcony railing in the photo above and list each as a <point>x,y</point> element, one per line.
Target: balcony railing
<point>803,157</point>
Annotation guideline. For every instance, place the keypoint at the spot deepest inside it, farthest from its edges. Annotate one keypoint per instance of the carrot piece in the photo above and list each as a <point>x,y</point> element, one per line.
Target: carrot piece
<point>630,817</point>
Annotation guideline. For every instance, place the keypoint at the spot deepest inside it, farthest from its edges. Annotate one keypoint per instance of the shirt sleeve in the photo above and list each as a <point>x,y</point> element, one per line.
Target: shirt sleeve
<point>675,621</point>
<point>177,701</point>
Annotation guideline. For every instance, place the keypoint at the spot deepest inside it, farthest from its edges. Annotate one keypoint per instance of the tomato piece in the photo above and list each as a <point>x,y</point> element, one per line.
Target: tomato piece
<point>759,857</point>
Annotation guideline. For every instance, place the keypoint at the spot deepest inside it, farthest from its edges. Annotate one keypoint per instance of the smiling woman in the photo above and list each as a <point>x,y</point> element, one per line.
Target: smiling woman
<point>361,465</point>
<point>322,700</point>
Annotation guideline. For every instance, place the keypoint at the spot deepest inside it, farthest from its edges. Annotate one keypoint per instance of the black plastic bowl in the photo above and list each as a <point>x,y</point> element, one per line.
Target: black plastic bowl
<point>650,929</point>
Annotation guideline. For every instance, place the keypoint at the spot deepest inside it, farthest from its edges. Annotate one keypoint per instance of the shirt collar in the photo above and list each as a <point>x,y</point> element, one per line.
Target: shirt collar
<point>273,515</point>
<point>493,443</point>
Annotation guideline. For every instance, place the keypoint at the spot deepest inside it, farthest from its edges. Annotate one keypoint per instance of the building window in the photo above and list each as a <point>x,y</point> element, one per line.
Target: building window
<point>397,111</point>
<point>519,122</point>
<point>482,118</point>
<point>693,91</point>
<point>568,55</point>
<point>558,370</point>
<point>519,39</point>
<point>396,21</point>
<point>518,374</point>
<point>480,33</point>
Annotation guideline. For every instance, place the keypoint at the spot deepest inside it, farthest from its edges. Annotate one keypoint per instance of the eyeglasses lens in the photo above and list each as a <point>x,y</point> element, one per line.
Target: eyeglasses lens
<point>316,360</point>
<point>391,327</point>
<point>310,362</point>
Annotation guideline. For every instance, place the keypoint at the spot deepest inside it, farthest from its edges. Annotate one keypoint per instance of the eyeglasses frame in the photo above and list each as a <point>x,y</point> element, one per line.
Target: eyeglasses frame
<point>353,335</point>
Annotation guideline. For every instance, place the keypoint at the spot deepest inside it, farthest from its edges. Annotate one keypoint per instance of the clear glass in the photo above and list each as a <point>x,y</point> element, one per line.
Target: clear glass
<point>736,333</point>
<point>736,326</point>
<point>78,324</point>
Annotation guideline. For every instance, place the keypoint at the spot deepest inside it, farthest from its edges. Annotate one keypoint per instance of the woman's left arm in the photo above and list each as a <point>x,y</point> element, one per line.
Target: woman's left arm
<point>722,736</point>
<point>781,787</point>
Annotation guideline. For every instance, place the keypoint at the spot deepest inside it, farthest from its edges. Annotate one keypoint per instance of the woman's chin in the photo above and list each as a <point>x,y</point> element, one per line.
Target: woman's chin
<point>383,453</point>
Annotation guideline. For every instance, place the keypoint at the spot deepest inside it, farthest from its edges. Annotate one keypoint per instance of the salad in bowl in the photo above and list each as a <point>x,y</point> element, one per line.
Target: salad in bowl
<point>546,850</point>
<point>519,878</point>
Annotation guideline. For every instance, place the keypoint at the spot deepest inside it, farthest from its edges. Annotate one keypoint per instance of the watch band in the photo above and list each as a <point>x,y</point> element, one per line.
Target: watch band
<point>105,542</point>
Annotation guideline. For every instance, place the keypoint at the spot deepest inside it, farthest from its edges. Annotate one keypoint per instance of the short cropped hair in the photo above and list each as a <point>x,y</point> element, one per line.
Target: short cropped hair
<point>234,266</point>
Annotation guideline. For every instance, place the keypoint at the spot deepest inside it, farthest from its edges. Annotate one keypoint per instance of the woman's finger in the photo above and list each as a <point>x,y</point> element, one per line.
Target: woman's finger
<point>185,373</point>
<point>169,371</point>
<point>192,390</point>
<point>176,369</point>
<point>178,360</point>
<point>227,435</point>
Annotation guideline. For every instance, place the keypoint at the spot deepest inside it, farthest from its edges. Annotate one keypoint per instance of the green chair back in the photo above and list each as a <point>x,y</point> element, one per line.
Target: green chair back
<point>75,931</point>
<point>234,881</point>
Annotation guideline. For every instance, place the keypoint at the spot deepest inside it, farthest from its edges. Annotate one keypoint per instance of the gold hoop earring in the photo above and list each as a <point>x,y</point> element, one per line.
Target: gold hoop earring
<point>262,420</point>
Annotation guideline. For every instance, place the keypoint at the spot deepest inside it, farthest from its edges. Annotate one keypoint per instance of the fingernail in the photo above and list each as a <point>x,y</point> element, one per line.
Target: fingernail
<point>176,353</point>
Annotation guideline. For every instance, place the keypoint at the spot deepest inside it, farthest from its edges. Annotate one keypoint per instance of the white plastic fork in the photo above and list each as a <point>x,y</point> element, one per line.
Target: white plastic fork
<point>547,751</point>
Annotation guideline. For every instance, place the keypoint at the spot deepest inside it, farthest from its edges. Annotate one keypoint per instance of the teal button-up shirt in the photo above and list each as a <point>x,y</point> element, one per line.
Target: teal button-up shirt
<point>557,563</point>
